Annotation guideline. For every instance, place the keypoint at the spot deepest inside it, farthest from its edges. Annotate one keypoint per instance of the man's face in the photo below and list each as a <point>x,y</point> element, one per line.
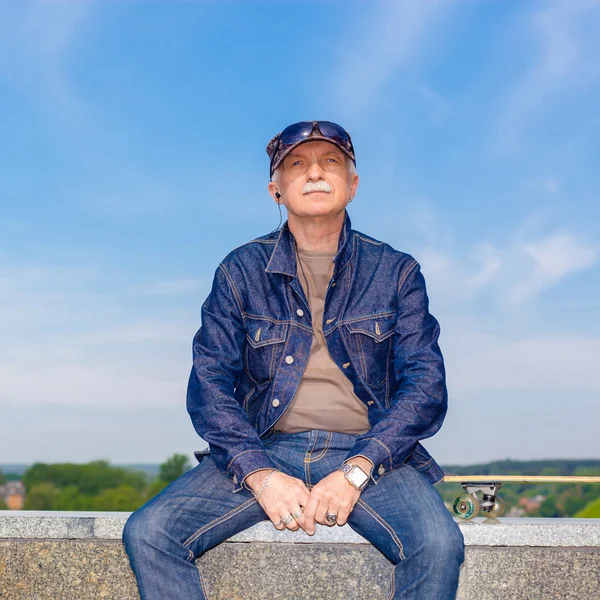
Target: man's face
<point>311,165</point>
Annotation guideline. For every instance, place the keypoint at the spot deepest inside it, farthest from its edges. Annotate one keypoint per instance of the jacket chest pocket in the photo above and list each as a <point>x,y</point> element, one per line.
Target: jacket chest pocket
<point>264,341</point>
<point>371,340</point>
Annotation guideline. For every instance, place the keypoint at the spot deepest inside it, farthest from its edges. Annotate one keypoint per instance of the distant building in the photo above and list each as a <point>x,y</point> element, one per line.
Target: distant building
<point>13,494</point>
<point>531,505</point>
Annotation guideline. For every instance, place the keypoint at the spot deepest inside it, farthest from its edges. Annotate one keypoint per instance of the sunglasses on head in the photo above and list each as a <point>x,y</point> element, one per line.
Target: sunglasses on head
<point>304,129</point>
<point>299,131</point>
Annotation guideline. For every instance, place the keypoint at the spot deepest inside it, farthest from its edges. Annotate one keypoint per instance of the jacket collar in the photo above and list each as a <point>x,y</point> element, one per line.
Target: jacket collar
<point>283,259</point>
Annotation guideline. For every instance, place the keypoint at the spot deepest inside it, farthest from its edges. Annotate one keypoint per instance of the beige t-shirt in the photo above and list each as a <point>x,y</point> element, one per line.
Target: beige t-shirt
<point>325,398</point>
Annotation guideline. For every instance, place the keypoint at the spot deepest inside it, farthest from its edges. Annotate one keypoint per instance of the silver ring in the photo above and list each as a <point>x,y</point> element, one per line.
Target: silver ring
<point>288,519</point>
<point>330,517</point>
<point>298,513</point>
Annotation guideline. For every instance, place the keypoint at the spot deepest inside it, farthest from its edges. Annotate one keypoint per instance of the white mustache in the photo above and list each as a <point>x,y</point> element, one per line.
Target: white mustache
<point>316,186</point>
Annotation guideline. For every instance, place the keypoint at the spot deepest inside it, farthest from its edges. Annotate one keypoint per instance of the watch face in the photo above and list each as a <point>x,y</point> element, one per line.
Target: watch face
<point>357,476</point>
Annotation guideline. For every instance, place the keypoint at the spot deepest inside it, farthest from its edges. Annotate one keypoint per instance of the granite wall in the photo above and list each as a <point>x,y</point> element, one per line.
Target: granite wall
<point>53,555</point>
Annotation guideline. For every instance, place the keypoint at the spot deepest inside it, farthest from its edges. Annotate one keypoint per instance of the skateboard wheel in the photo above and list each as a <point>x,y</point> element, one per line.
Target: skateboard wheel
<point>466,507</point>
<point>497,510</point>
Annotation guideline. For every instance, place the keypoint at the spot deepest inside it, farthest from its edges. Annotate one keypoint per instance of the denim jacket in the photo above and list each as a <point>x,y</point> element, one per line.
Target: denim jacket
<point>255,339</point>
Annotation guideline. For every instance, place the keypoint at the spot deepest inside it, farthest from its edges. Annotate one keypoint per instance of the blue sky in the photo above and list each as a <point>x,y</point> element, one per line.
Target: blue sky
<point>133,160</point>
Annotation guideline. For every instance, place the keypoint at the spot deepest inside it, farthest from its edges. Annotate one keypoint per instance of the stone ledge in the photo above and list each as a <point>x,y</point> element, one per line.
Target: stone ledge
<point>540,533</point>
<point>80,556</point>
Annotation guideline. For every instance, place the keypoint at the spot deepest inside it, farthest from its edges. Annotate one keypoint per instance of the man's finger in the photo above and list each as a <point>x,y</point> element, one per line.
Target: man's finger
<point>309,514</point>
<point>343,515</point>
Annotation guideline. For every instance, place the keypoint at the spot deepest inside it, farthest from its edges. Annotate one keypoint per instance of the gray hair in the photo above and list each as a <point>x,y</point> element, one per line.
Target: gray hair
<point>349,165</point>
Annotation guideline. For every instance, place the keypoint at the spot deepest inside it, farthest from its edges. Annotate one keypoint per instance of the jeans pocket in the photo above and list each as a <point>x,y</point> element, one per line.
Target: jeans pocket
<point>371,341</point>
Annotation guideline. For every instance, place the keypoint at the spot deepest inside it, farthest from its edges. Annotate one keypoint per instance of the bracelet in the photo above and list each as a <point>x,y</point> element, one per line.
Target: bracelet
<point>264,485</point>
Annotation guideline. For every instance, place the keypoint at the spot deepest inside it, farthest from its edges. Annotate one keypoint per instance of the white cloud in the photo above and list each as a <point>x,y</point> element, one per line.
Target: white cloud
<point>491,264</point>
<point>373,54</point>
<point>551,259</point>
<point>568,44</point>
<point>481,361</point>
<point>517,273</point>
<point>63,342</point>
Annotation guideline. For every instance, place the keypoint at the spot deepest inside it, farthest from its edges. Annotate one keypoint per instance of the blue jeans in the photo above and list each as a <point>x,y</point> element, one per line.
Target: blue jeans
<point>402,515</point>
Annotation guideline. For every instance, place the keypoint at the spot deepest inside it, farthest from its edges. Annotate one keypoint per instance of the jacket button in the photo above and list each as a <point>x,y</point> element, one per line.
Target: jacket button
<point>289,359</point>
<point>275,402</point>
<point>300,312</point>
<point>346,365</point>
<point>234,479</point>
<point>381,470</point>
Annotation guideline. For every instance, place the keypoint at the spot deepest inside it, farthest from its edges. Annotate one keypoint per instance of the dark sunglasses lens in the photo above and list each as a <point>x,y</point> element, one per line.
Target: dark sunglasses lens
<point>334,131</point>
<point>296,132</point>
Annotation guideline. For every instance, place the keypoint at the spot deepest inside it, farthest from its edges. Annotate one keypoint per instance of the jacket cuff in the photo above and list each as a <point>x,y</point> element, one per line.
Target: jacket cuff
<point>245,463</point>
<point>377,452</point>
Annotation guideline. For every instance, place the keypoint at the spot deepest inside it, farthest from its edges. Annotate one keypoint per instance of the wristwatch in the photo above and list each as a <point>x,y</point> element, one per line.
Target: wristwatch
<point>355,475</point>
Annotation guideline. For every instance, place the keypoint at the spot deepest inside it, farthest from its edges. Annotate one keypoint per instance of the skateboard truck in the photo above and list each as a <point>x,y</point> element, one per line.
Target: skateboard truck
<point>469,505</point>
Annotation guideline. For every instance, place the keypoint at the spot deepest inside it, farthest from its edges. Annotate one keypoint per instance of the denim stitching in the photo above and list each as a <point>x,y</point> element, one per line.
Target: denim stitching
<point>373,242</point>
<point>393,584</point>
<point>332,328</point>
<point>272,363</point>
<point>382,444</point>
<point>263,343</point>
<point>218,521</point>
<point>387,377</point>
<point>378,338</point>
<point>407,273</point>
<point>307,457</point>
<point>360,378</point>
<point>350,282</point>
<point>191,556</point>
<point>384,524</point>
<point>370,316</point>
<point>274,249</point>
<point>302,326</point>
<point>238,300</point>
<point>352,253</point>
<point>202,584</point>
<point>268,318</point>
<point>247,368</point>
<point>245,404</point>
<point>279,371</point>
<point>324,451</point>
<point>361,354</point>
<point>240,454</point>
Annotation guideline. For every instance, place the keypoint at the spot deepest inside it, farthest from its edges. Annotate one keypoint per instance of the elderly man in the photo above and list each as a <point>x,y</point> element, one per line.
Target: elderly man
<point>316,371</point>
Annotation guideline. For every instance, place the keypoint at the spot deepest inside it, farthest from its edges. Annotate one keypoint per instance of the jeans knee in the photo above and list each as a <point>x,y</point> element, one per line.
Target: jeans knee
<point>140,529</point>
<point>132,531</point>
<point>446,543</point>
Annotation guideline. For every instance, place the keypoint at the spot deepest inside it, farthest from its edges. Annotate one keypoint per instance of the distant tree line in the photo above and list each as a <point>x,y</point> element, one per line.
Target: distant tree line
<point>97,485</point>
<point>100,486</point>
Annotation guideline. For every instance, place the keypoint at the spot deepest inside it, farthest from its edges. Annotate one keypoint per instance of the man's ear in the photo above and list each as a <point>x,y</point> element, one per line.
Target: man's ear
<point>273,189</point>
<point>353,185</point>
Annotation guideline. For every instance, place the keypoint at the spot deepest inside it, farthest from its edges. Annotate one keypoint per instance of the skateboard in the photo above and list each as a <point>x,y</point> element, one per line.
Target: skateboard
<point>490,505</point>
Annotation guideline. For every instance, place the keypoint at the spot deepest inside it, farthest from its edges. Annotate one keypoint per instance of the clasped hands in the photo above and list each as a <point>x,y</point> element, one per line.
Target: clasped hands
<point>285,496</point>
